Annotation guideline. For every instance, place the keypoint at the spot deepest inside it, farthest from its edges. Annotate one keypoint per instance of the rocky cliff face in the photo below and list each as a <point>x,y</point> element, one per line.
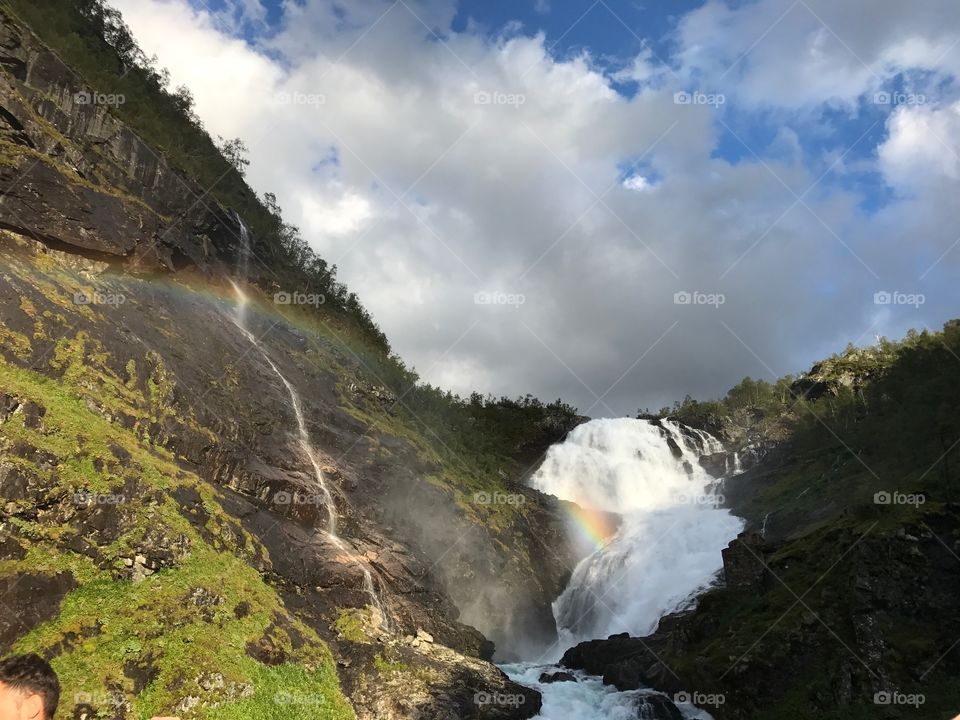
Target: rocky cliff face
<point>851,625</point>
<point>78,179</point>
<point>160,539</point>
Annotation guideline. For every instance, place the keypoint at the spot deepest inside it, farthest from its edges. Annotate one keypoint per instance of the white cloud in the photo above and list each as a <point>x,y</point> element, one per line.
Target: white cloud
<point>424,196</point>
<point>800,55</point>
<point>637,183</point>
<point>923,147</point>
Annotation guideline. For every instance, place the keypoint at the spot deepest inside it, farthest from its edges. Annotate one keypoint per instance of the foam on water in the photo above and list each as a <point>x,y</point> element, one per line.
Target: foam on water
<point>666,551</point>
<point>668,546</point>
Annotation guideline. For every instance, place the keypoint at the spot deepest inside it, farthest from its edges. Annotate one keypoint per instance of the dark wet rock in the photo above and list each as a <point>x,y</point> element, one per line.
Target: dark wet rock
<point>559,676</point>
<point>674,447</point>
<point>123,456</point>
<point>139,211</point>
<point>18,483</point>
<point>657,707</point>
<point>9,404</point>
<point>744,565</point>
<point>28,600</point>
<point>598,657</point>
<point>33,415</point>
<point>270,648</point>
<point>42,459</point>
<point>142,671</point>
<point>10,548</point>
<point>242,610</point>
<point>715,463</point>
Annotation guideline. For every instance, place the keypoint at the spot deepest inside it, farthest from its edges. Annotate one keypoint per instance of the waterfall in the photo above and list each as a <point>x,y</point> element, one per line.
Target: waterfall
<point>303,437</point>
<point>243,261</point>
<point>668,546</point>
<point>667,549</point>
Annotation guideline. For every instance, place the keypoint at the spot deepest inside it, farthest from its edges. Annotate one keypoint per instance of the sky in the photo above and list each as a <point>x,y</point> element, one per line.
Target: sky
<point>617,203</point>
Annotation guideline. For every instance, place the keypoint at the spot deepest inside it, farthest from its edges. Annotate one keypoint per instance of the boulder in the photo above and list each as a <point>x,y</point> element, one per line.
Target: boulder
<point>557,677</point>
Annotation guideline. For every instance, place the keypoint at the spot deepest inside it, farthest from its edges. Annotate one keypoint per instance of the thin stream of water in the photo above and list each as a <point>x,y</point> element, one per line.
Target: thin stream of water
<point>303,437</point>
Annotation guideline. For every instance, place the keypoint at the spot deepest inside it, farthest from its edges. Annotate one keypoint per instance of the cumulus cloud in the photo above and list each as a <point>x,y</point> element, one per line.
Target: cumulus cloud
<point>516,224</point>
<point>923,147</point>
<point>808,53</point>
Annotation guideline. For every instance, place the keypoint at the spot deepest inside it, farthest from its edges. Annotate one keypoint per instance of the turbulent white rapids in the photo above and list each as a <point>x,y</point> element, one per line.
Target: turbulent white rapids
<point>666,550</point>
<point>303,436</point>
<point>668,546</point>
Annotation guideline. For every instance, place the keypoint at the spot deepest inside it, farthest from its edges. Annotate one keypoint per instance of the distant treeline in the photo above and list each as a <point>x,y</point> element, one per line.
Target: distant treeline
<point>895,402</point>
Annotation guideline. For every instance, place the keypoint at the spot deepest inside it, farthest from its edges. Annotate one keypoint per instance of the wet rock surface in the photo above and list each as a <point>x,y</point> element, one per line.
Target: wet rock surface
<point>232,426</point>
<point>92,187</point>
<point>28,600</point>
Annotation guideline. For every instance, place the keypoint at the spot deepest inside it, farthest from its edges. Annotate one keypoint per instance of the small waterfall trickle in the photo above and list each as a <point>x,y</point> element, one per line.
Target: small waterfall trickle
<point>303,436</point>
<point>243,260</point>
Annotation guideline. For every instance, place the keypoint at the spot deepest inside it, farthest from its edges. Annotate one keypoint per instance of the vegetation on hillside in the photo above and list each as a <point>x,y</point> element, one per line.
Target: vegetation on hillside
<point>92,38</point>
<point>865,420</point>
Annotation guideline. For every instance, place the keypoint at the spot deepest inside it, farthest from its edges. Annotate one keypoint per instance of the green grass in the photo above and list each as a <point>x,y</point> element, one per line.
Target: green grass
<point>350,625</point>
<point>289,692</point>
<point>107,623</point>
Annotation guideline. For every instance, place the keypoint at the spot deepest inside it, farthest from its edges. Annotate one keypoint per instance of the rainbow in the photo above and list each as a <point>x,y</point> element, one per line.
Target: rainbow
<point>595,527</point>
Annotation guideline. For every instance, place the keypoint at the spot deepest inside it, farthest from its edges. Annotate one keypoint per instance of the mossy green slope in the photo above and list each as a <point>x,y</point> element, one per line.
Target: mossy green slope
<point>187,626</point>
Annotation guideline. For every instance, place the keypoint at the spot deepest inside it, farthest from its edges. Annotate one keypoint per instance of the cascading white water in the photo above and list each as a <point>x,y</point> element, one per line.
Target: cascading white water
<point>303,437</point>
<point>667,549</point>
<point>668,546</point>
